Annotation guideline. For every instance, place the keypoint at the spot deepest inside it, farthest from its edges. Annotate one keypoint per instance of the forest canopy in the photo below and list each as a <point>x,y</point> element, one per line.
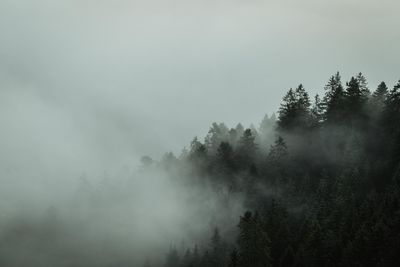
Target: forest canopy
<point>321,181</point>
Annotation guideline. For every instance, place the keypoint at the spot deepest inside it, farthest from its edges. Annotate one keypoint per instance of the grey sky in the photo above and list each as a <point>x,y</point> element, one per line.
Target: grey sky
<point>87,84</point>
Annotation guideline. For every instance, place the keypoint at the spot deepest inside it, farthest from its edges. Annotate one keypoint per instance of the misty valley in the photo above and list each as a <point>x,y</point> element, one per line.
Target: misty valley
<point>317,184</point>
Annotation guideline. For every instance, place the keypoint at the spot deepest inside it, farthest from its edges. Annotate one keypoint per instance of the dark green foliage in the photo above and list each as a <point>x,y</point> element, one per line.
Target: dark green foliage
<point>379,98</point>
<point>253,242</point>
<point>356,97</point>
<point>278,152</point>
<point>218,133</point>
<point>324,192</point>
<point>225,157</point>
<point>334,100</point>
<point>246,150</point>
<point>317,112</point>
<point>294,113</point>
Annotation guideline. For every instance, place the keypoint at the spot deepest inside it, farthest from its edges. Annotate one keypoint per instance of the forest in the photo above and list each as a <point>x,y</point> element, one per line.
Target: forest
<point>320,180</point>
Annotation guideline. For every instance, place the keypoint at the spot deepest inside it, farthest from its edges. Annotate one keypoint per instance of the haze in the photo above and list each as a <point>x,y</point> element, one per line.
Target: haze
<point>87,87</point>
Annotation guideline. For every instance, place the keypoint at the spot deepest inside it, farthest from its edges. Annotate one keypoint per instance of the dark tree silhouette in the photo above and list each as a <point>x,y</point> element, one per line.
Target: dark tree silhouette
<point>325,191</point>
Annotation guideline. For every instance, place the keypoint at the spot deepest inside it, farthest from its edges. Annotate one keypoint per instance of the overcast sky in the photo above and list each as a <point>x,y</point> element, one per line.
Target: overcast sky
<point>88,84</point>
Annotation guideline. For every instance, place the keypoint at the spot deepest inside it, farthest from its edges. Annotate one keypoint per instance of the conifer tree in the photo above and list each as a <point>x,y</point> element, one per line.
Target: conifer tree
<point>247,149</point>
<point>253,242</point>
<point>317,112</point>
<point>333,101</point>
<point>294,112</point>
<point>379,97</point>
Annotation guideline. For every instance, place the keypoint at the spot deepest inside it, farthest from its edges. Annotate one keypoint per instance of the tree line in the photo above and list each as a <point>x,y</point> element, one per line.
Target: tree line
<point>321,181</point>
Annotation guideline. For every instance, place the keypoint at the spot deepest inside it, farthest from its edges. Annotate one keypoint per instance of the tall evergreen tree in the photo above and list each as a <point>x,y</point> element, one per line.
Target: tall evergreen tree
<point>340,183</point>
<point>303,102</point>
<point>287,111</point>
<point>294,113</point>
<point>392,124</point>
<point>379,97</point>
<point>253,242</point>
<point>317,112</point>
<point>357,95</point>
<point>218,133</point>
<point>225,156</point>
<point>278,152</point>
<point>363,84</point>
<point>267,132</point>
<point>247,149</point>
<point>333,100</point>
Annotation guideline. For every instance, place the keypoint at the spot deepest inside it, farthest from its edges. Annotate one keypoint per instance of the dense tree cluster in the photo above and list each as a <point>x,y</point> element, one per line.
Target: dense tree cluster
<point>324,192</point>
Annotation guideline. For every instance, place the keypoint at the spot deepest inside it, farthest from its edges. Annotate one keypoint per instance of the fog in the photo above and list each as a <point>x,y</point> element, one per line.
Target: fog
<point>87,87</point>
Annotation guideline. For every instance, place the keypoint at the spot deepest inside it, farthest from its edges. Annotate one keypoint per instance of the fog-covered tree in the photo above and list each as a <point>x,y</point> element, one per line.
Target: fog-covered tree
<point>218,133</point>
<point>356,96</point>
<point>247,149</point>
<point>253,242</point>
<point>225,158</point>
<point>147,263</point>
<point>172,259</point>
<point>379,98</point>
<point>317,112</point>
<point>294,112</point>
<point>267,131</point>
<point>333,100</point>
<point>325,193</point>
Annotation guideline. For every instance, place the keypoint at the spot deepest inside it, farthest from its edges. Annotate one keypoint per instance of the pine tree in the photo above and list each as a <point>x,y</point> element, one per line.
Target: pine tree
<point>218,133</point>
<point>276,224</point>
<point>379,97</point>
<point>276,167</point>
<point>278,152</point>
<point>333,101</point>
<point>363,84</point>
<point>225,157</point>
<point>294,112</point>
<point>287,111</point>
<point>247,150</point>
<point>198,156</point>
<point>253,242</point>
<point>356,97</point>
<point>317,112</point>
<point>267,131</point>
<point>391,125</point>
<point>303,102</point>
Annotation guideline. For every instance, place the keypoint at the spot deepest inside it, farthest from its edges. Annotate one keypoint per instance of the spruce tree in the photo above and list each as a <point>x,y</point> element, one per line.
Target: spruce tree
<point>333,101</point>
<point>253,242</point>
